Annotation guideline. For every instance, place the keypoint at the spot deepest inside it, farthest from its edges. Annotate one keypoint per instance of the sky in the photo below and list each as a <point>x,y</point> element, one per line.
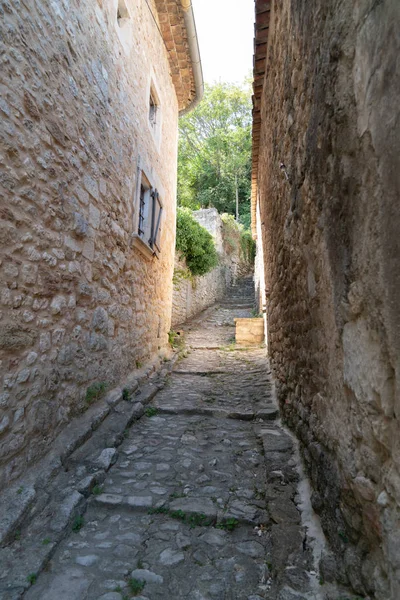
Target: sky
<point>225,30</point>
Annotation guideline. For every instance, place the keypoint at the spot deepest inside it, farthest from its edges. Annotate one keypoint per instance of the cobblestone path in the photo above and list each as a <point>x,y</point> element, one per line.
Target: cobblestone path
<point>201,502</point>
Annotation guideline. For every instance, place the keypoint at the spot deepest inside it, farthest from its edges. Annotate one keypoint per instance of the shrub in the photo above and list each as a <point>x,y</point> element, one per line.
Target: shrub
<point>195,244</point>
<point>95,392</point>
<point>248,246</point>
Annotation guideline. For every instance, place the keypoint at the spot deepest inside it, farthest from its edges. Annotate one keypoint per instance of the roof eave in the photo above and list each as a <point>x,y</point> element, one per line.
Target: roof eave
<point>194,51</point>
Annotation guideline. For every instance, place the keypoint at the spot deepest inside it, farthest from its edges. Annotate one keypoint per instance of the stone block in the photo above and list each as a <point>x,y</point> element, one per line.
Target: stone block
<point>249,332</point>
<point>91,186</point>
<point>80,225</point>
<point>13,506</point>
<point>94,216</point>
<point>14,337</point>
<point>88,249</point>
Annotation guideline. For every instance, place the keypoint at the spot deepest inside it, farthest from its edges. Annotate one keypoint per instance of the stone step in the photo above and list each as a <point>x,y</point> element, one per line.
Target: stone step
<point>265,414</point>
<point>36,518</point>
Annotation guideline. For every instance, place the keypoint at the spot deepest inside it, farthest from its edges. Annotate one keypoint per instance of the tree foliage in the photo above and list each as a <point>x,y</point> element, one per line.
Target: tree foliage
<point>215,151</point>
<point>194,243</point>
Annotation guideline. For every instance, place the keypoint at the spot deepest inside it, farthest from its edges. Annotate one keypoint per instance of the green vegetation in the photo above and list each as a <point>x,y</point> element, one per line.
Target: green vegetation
<point>247,246</point>
<point>177,495</point>
<point>17,535</point>
<point>97,490</point>
<point>180,275</point>
<point>194,519</point>
<point>178,514</point>
<point>228,524</point>
<point>125,394</point>
<point>175,339</point>
<point>343,537</point>
<point>151,411</point>
<point>32,578</point>
<point>160,510</point>
<point>194,243</point>
<point>46,541</point>
<point>94,392</point>
<point>78,523</point>
<point>198,520</point>
<point>20,490</point>
<point>136,585</point>
<point>214,161</point>
<point>237,239</point>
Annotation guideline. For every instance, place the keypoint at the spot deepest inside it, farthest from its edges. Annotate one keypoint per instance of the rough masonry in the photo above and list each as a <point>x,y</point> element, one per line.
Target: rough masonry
<point>79,303</point>
<point>326,185</point>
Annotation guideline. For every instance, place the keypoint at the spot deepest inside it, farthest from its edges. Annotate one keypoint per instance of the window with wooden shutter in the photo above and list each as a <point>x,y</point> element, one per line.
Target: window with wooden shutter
<point>156,215</point>
<point>147,236</point>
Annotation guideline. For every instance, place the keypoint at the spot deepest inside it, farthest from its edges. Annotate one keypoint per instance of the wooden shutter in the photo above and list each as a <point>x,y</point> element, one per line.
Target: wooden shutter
<point>156,215</point>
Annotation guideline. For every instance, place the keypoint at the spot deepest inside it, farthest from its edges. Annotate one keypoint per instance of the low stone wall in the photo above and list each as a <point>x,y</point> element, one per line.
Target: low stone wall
<point>191,295</point>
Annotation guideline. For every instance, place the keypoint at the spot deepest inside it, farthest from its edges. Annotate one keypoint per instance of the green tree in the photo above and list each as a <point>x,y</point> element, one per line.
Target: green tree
<point>214,163</point>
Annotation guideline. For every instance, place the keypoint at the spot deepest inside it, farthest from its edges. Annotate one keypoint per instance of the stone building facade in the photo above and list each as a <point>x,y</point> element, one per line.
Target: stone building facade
<point>90,94</point>
<point>326,182</point>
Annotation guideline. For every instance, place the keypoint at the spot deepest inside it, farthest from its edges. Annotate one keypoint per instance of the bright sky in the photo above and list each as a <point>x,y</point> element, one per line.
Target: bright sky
<point>225,30</point>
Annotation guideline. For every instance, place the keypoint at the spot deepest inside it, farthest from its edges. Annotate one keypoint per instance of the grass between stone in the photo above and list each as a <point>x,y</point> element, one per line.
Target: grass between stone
<point>196,519</point>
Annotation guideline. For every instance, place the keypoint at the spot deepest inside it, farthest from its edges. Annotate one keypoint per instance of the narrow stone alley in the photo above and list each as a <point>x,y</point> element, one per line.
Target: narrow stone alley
<point>202,501</point>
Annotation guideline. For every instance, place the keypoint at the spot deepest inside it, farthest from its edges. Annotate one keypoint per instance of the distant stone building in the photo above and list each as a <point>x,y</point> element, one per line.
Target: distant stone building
<point>326,187</point>
<point>90,93</point>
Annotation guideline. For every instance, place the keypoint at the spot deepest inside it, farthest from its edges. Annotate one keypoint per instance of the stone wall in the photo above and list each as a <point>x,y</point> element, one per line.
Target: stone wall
<point>191,295</point>
<point>331,224</point>
<point>79,304</point>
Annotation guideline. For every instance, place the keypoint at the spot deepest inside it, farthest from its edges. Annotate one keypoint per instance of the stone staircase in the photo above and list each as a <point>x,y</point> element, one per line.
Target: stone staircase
<point>240,295</point>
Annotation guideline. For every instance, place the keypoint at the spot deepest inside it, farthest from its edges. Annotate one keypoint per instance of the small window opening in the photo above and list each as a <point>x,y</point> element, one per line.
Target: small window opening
<point>153,110</point>
<point>122,13</point>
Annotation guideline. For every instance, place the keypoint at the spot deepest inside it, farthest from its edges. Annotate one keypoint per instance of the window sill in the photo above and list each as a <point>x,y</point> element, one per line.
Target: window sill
<point>140,245</point>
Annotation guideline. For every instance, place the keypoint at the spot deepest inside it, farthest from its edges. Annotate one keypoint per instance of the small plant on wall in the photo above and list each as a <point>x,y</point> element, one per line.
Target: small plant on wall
<point>94,392</point>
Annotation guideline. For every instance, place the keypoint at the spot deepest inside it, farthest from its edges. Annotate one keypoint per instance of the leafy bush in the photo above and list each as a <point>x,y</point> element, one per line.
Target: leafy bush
<point>195,244</point>
<point>248,246</point>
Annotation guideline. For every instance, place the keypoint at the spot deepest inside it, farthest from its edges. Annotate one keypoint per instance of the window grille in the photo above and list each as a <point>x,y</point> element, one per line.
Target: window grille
<point>142,206</point>
<point>152,111</point>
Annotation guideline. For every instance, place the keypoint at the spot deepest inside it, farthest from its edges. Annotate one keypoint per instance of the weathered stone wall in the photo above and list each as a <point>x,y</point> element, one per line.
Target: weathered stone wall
<point>192,295</point>
<point>330,113</point>
<point>79,304</point>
